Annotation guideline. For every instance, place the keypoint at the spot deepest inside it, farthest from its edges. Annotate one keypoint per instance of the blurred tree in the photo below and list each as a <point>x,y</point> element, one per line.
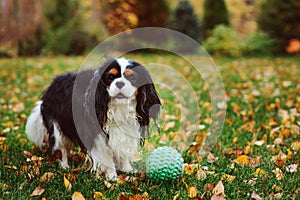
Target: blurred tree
<point>215,13</point>
<point>243,15</point>
<point>280,20</point>
<point>152,13</point>
<point>62,24</point>
<point>185,21</point>
<point>121,15</point>
<point>19,20</point>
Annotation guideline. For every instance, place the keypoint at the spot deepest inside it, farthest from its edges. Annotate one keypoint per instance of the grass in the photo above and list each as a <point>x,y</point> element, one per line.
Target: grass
<point>263,106</point>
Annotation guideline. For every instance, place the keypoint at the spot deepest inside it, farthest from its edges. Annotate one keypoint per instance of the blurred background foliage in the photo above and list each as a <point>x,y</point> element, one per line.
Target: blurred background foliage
<point>224,27</point>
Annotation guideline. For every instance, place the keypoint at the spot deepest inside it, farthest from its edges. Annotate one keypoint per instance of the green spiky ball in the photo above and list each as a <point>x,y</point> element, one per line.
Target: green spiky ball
<point>164,163</point>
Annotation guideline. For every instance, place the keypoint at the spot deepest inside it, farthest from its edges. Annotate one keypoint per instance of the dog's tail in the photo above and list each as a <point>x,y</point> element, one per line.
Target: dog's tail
<point>35,129</point>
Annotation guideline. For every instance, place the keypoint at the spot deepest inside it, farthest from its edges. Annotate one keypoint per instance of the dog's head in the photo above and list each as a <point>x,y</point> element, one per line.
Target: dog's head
<point>122,80</point>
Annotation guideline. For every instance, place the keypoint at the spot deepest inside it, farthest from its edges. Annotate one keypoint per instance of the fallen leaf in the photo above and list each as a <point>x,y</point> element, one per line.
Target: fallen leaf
<point>211,158</point>
<point>169,125</point>
<point>278,173</point>
<point>260,172</point>
<point>122,196</point>
<point>136,197</point>
<point>46,177</point>
<point>67,184</point>
<point>242,160</point>
<point>201,175</point>
<point>219,189</point>
<point>99,196</point>
<point>192,191</point>
<point>295,146</point>
<point>227,178</point>
<point>217,197</point>
<point>255,196</point>
<point>188,169</point>
<point>176,197</point>
<point>276,188</point>
<point>292,168</point>
<point>37,191</point>
<point>109,185</point>
<point>259,142</point>
<point>278,195</point>
<point>77,196</point>
<point>28,154</point>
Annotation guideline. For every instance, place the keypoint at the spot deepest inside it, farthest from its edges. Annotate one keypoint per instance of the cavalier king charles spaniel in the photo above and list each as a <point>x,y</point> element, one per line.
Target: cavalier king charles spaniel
<point>105,112</point>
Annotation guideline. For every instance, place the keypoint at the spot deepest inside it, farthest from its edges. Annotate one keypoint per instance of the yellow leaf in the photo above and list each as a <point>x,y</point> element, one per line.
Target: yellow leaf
<point>67,183</point>
<point>99,196</point>
<point>235,140</point>
<point>227,178</point>
<point>188,169</point>
<point>109,185</point>
<point>176,197</point>
<point>77,196</point>
<point>242,160</point>
<point>276,188</point>
<point>278,173</point>
<point>192,191</point>
<point>295,146</point>
<point>260,172</point>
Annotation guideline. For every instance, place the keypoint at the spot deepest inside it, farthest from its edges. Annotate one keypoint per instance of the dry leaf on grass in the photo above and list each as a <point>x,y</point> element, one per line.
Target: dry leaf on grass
<point>242,160</point>
<point>67,184</point>
<point>38,191</point>
<point>99,196</point>
<point>77,196</point>
<point>255,196</point>
<point>46,177</point>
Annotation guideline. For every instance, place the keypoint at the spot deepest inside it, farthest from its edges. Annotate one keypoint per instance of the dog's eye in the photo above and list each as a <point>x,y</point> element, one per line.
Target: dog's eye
<point>130,77</point>
<point>111,77</point>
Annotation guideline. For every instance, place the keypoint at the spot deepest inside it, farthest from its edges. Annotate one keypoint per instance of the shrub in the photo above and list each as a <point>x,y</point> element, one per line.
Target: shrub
<point>258,44</point>
<point>224,41</point>
<point>184,20</point>
<point>63,24</point>
<point>215,13</point>
<point>280,20</point>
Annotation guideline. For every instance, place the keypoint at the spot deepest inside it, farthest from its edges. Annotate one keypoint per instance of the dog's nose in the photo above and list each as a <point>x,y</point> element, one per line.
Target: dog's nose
<point>120,84</point>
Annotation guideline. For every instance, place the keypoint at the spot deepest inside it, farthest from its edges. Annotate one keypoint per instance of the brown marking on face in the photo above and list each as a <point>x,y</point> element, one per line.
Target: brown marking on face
<point>113,71</point>
<point>128,72</point>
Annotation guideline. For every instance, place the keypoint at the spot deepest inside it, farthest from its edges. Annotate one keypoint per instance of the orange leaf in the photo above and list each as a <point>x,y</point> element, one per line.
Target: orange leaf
<point>136,197</point>
<point>46,177</point>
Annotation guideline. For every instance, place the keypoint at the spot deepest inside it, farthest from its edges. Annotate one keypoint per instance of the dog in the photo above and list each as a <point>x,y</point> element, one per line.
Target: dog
<point>105,111</point>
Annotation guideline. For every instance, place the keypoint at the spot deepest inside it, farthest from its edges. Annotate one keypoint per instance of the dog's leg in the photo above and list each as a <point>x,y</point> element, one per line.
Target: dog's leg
<point>102,157</point>
<point>126,166</point>
<point>61,145</point>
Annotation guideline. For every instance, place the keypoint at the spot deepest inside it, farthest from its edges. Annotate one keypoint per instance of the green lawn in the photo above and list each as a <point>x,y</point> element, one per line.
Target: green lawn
<point>257,153</point>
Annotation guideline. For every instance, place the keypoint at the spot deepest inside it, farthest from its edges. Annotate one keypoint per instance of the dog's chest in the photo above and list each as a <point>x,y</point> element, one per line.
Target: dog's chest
<point>122,128</point>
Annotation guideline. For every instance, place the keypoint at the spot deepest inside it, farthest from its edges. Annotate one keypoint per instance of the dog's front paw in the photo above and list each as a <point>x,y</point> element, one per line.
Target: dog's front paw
<point>111,175</point>
<point>126,167</point>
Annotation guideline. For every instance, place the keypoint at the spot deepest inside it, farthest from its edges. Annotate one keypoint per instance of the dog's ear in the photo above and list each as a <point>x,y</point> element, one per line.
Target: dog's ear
<point>148,103</point>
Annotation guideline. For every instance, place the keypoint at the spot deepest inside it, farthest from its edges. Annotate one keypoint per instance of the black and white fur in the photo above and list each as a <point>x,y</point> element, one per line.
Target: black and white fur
<point>122,95</point>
